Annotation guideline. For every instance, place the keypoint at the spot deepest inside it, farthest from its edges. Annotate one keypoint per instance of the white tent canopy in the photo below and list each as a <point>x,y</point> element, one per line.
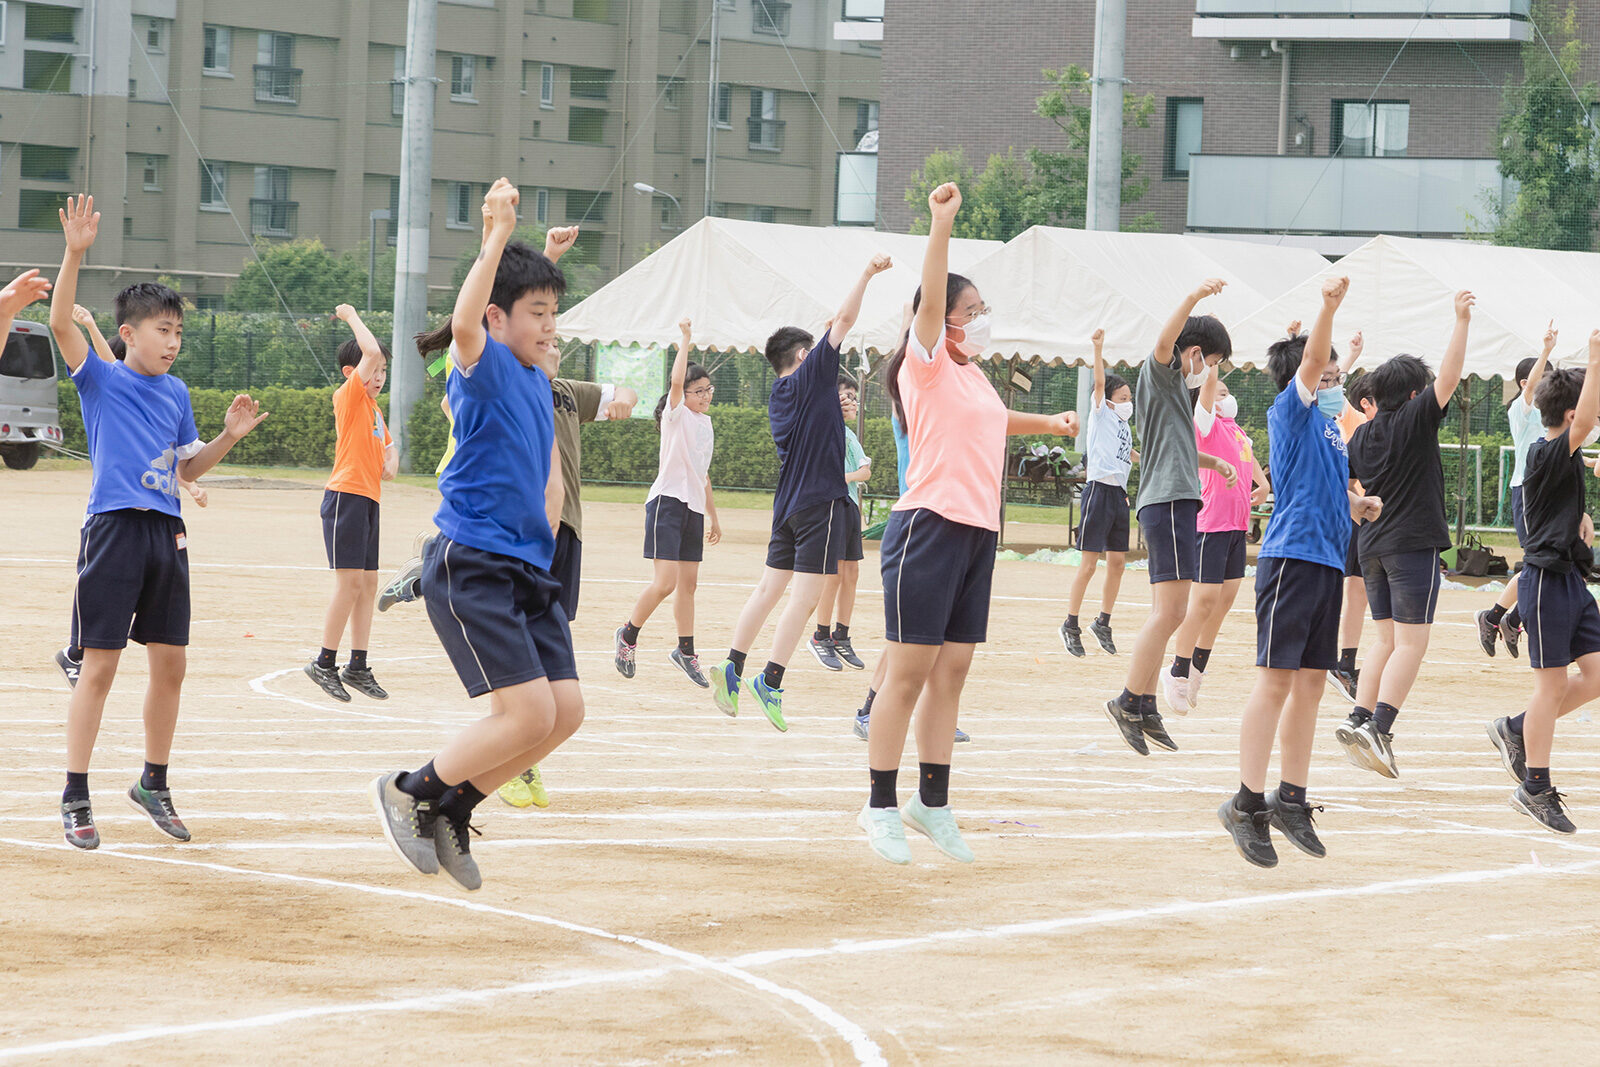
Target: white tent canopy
<point>1401,298</point>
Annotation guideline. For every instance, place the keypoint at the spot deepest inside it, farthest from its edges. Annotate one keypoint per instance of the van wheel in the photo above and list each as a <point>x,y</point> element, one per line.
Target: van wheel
<point>21,456</point>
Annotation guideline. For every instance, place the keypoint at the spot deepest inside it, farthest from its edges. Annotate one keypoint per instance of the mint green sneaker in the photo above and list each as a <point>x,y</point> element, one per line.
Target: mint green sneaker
<point>771,701</point>
<point>725,688</point>
<point>884,833</point>
<point>939,826</point>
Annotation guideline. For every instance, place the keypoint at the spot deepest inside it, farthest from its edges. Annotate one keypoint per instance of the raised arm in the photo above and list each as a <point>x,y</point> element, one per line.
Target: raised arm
<point>1586,415</point>
<point>559,241</point>
<point>1319,346</point>
<point>1170,333</point>
<point>97,340</point>
<point>680,364</point>
<point>1550,337</point>
<point>242,416</point>
<point>472,303</point>
<point>1210,388</point>
<point>943,203</point>
<point>844,320</point>
<point>371,351</point>
<point>1099,339</point>
<point>24,289</point>
<point>1352,353</point>
<point>80,222</point>
<point>1455,353</point>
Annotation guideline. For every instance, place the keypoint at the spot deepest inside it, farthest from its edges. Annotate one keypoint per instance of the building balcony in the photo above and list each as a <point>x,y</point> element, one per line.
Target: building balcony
<point>1342,195</point>
<point>277,85</point>
<point>1484,21</point>
<point>273,218</point>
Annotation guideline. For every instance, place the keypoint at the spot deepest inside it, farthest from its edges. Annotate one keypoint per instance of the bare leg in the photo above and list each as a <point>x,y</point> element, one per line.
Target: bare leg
<point>939,706</point>
<point>683,604</point>
<point>1508,595</point>
<point>1087,561</point>
<point>907,672</point>
<point>765,596</point>
<point>792,623</point>
<point>830,594</point>
<point>520,719</point>
<point>1203,601</point>
<point>1355,612</point>
<point>1297,731</point>
<point>568,717</point>
<point>88,703</point>
<point>849,578</point>
<point>1221,602</point>
<point>361,612</point>
<point>167,666</point>
<point>1410,645</point>
<point>347,587</point>
<point>1258,725</point>
<point>1373,666</point>
<point>1169,604</point>
<point>662,583</point>
<point>1116,563</point>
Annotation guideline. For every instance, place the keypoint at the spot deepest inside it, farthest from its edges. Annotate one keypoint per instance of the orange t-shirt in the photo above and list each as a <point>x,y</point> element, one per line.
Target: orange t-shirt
<point>362,437</point>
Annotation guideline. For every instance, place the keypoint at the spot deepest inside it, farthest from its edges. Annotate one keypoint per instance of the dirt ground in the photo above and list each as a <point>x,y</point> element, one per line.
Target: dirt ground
<point>698,889</point>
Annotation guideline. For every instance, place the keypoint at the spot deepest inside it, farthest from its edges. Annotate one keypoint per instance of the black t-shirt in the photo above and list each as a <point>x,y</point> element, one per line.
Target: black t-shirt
<point>1395,457</point>
<point>1553,497</point>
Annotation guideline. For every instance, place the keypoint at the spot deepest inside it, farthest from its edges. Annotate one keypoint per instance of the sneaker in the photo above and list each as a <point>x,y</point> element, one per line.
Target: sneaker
<point>408,824</point>
<point>1487,632</point>
<point>1130,724</point>
<point>725,688</point>
<point>1345,734</point>
<point>525,790</point>
<point>1102,633</point>
<point>885,833</point>
<point>1294,821</point>
<point>1344,682</point>
<point>847,652</point>
<point>771,701</point>
<point>1251,835</point>
<point>822,648</point>
<point>689,665</point>
<point>1377,749</point>
<point>1510,634</point>
<point>452,842</point>
<point>328,679</point>
<point>361,680</point>
<point>863,726</point>
<point>623,656</point>
<point>1176,690</point>
<point>962,736</point>
<point>939,826</point>
<point>1513,755</point>
<point>77,824</point>
<point>1195,678</point>
<point>157,804</point>
<point>1156,732</point>
<point>404,587</point>
<point>70,667</point>
<point>1545,808</point>
<point>1072,639</point>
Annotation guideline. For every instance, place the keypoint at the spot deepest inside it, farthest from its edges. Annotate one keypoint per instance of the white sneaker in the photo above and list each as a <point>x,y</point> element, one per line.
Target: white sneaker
<point>1193,688</point>
<point>885,833</point>
<point>939,826</point>
<point>1176,690</point>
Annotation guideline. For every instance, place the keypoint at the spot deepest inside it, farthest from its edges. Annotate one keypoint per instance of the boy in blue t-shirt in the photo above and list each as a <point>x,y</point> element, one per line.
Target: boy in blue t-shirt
<point>811,506</point>
<point>490,594</point>
<point>1299,588</point>
<point>133,560</point>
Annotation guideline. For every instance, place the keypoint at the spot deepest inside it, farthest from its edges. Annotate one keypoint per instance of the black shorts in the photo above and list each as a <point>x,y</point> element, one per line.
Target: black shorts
<point>133,580</point>
<point>500,619</point>
<point>1297,614</point>
<point>936,579</point>
<point>1103,525</point>
<point>673,530</point>
<point>1403,587</point>
<point>809,540</point>
<point>853,550</point>
<point>1221,557</point>
<point>1519,520</point>
<point>566,568</point>
<point>350,531</point>
<point>1559,615</point>
<point>1352,558</point>
<point>1171,539</point>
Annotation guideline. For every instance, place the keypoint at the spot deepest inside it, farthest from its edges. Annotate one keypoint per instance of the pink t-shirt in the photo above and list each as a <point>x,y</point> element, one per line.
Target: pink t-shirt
<point>1223,508</point>
<point>956,423</point>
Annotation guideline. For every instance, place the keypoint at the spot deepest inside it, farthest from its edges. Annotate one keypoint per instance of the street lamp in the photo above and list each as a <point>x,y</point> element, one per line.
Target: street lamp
<point>379,215</point>
<point>650,190</point>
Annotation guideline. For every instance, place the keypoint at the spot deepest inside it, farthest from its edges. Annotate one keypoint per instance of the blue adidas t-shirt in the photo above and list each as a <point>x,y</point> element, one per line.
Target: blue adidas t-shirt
<point>493,489</point>
<point>1310,483</point>
<point>139,426</point>
<point>808,428</point>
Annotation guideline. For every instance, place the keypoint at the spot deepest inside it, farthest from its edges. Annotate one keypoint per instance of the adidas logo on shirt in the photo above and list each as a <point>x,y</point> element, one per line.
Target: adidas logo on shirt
<point>162,475</point>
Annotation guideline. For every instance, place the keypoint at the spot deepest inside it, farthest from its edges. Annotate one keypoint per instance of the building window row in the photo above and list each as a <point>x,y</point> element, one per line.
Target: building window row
<point>1361,128</point>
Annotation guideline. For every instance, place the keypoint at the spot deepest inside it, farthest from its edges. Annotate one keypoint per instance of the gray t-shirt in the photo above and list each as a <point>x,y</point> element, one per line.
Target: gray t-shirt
<point>1169,459</point>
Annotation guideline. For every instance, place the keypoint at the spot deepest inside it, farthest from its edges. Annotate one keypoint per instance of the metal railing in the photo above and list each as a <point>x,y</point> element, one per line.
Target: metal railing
<point>766,135</point>
<point>277,85</point>
<point>273,218</point>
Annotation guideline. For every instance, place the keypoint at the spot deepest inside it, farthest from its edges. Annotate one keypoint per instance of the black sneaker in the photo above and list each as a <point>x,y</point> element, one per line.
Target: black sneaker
<point>1487,632</point>
<point>847,652</point>
<point>453,843</point>
<point>70,667</point>
<point>1102,633</point>
<point>1294,821</point>
<point>1131,725</point>
<point>1344,682</point>
<point>328,679</point>
<point>361,680</point>
<point>156,805</point>
<point>77,824</point>
<point>1510,633</point>
<point>1156,732</point>
<point>404,587</point>
<point>1072,639</point>
<point>1513,754</point>
<point>1543,807</point>
<point>1251,835</point>
<point>822,648</point>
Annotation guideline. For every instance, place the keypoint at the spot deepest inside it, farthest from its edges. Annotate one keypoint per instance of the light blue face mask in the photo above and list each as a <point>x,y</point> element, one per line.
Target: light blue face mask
<point>1330,401</point>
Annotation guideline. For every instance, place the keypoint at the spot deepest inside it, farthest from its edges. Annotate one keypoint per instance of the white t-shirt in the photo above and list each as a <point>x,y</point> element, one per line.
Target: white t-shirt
<point>686,444</point>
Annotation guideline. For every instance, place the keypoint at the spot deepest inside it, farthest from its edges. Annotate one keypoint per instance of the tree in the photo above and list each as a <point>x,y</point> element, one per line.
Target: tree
<point>309,277</point>
<point>996,205</point>
<point>1548,143</point>
<point>583,275</point>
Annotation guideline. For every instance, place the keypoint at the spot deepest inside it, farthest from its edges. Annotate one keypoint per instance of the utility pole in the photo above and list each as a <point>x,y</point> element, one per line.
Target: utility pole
<point>713,74</point>
<point>1103,207</point>
<point>411,243</point>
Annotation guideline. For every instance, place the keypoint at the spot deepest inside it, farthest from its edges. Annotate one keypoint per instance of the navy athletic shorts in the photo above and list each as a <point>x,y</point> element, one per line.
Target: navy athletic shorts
<point>566,568</point>
<point>1103,524</point>
<point>1221,557</point>
<point>133,580</point>
<point>499,618</point>
<point>1559,616</point>
<point>937,575</point>
<point>350,531</point>
<point>1171,539</point>
<point>1519,520</point>
<point>853,550</point>
<point>1297,614</point>
<point>1352,558</point>
<point>810,540</point>
<point>1403,587</point>
<point>673,530</point>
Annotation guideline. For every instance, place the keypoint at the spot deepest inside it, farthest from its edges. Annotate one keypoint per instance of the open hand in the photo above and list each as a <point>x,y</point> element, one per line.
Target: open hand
<point>82,316</point>
<point>201,497</point>
<point>23,290</point>
<point>243,416</point>
<point>80,222</point>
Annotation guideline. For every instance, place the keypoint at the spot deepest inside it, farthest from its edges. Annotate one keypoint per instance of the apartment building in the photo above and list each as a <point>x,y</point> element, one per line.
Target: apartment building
<point>201,125</point>
<point>1301,117</point>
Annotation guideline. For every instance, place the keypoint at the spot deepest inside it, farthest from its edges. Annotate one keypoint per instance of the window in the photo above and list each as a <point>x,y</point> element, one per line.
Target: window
<point>397,91</point>
<point>586,125</point>
<point>766,131</point>
<point>28,355</point>
<point>272,213</point>
<point>47,163</point>
<point>667,89</point>
<point>525,67</point>
<point>277,81</point>
<point>47,72</point>
<point>152,174</point>
<point>460,217</point>
<point>133,89</point>
<point>763,214</point>
<point>541,206</point>
<point>213,186</point>
<point>152,35</point>
<point>725,106</point>
<point>547,85</point>
<point>1183,134</point>
<point>37,209</point>
<point>127,225</point>
<point>58,24</point>
<point>591,83</point>
<point>771,17</point>
<point>1381,128</point>
<point>463,73</point>
<point>866,119</point>
<point>217,57</point>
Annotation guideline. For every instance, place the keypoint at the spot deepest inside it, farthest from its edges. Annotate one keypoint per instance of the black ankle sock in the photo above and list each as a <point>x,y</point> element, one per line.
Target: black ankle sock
<point>1104,618</point>
<point>1537,779</point>
<point>358,659</point>
<point>75,653</point>
<point>1201,657</point>
<point>1347,659</point>
<point>458,802</point>
<point>1292,794</point>
<point>773,674</point>
<point>328,658</point>
<point>1147,704</point>
<point>1514,616</point>
<point>77,787</point>
<point>422,783</point>
<point>1072,622</point>
<point>1383,717</point>
<point>1247,799</point>
<point>736,658</point>
<point>1128,701</point>
<point>841,632</point>
<point>866,709</point>
<point>933,784</point>
<point>883,789</point>
<point>822,634</point>
<point>630,634</point>
<point>154,777</point>
<point>1515,723</point>
<point>1360,715</point>
<point>1180,666</point>
<point>686,645</point>
<point>1496,613</point>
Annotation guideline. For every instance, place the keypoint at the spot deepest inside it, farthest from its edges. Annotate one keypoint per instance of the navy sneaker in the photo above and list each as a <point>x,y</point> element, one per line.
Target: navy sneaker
<point>1513,755</point>
<point>70,667</point>
<point>157,805</point>
<point>1130,724</point>
<point>1072,639</point>
<point>847,652</point>
<point>822,648</point>
<point>77,824</point>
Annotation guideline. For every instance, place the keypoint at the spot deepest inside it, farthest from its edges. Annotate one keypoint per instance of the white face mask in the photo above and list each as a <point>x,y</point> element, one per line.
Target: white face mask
<point>977,333</point>
<point>1195,380</point>
<point>1124,410</point>
<point>1228,407</point>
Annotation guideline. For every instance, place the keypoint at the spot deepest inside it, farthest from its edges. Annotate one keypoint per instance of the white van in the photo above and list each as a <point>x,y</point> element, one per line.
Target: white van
<point>28,413</point>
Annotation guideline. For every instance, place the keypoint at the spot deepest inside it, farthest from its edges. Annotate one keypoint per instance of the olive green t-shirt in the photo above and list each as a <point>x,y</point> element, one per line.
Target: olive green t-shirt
<point>575,404</point>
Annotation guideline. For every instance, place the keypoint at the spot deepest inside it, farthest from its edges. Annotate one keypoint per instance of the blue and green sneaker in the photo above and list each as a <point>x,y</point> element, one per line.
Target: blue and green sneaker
<point>725,688</point>
<point>771,701</point>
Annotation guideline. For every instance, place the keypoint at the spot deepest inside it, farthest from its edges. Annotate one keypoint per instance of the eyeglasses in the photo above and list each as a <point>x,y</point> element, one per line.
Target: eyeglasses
<point>1332,382</point>
<point>703,391</point>
<point>983,310</point>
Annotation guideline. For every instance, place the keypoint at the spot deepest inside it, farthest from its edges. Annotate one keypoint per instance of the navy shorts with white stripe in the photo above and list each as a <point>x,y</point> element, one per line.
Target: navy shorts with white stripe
<point>1297,614</point>
<point>1171,539</point>
<point>937,575</point>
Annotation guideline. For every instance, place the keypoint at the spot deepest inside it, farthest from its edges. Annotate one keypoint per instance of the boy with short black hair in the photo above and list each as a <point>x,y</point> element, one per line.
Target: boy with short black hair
<point>811,505</point>
<point>831,644</point>
<point>364,458</point>
<point>1395,457</point>
<point>133,560</point>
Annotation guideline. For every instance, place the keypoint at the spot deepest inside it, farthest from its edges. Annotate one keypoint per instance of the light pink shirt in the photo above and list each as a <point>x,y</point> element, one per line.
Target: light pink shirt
<point>1223,508</point>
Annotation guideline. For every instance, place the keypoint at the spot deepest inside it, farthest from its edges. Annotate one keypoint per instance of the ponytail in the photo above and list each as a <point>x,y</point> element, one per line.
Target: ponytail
<point>432,341</point>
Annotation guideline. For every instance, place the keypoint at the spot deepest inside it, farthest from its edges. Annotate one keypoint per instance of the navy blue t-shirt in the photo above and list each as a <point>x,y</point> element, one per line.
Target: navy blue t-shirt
<point>808,428</point>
